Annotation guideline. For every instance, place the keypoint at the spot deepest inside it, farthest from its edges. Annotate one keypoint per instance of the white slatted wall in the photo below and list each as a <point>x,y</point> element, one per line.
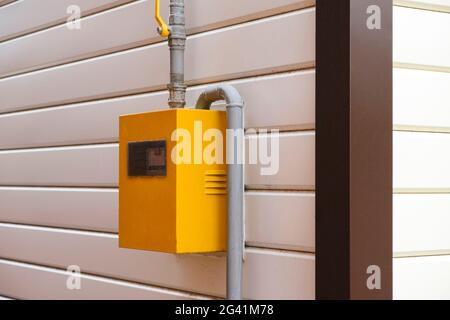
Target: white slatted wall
<point>422,149</point>
<point>61,93</point>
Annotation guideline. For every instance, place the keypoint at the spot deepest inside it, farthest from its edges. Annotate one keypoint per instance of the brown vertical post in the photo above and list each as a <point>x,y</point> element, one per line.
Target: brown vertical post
<point>354,149</point>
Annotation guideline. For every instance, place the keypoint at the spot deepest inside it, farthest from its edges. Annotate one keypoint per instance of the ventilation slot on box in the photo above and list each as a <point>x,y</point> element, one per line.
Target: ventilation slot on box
<point>216,182</point>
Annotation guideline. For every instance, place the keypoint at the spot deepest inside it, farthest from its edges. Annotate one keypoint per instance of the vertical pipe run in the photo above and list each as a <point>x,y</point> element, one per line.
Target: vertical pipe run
<point>177,44</point>
<point>235,204</point>
<point>235,122</point>
<point>235,119</point>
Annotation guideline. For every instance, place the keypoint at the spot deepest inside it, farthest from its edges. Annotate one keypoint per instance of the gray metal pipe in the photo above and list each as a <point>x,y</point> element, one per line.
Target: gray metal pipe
<point>235,123</point>
<point>177,44</point>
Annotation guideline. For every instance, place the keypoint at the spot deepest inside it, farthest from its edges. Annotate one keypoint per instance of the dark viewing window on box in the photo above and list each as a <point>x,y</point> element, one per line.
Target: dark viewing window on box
<point>147,158</point>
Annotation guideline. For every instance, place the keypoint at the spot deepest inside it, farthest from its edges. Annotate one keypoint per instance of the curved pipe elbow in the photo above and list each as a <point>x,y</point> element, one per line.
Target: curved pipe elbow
<point>226,93</point>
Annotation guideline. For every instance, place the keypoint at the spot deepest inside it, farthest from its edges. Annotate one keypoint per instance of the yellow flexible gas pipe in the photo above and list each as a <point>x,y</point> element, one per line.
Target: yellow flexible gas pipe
<point>163,28</point>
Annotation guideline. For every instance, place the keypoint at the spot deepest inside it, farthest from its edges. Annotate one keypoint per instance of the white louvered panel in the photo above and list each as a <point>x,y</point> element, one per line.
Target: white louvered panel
<point>436,5</point>
<point>421,37</point>
<point>146,68</point>
<point>268,274</point>
<point>421,224</point>
<point>422,99</point>
<point>421,161</point>
<point>422,278</point>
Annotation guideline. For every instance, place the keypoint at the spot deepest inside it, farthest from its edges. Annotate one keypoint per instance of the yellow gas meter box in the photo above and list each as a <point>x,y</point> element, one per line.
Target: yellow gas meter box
<point>172,198</point>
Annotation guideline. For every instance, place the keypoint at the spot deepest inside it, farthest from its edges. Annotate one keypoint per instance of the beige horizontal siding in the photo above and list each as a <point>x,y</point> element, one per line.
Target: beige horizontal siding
<point>77,166</point>
<point>420,220</point>
<point>5,2</point>
<point>421,161</point>
<point>277,220</point>
<point>267,273</point>
<point>422,278</point>
<point>285,101</point>
<point>274,219</point>
<point>146,69</point>
<point>58,132</point>
<point>296,164</point>
<point>125,27</point>
<point>71,208</point>
<point>26,281</point>
<point>97,165</point>
<point>280,220</point>
<point>51,12</point>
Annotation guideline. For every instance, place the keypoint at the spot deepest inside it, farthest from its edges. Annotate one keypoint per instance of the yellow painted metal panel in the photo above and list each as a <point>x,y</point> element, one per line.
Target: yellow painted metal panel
<point>181,212</point>
<point>201,215</point>
<point>147,205</point>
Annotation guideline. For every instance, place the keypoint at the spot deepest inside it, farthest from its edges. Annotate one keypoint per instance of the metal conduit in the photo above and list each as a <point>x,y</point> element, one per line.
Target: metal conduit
<point>176,31</point>
<point>235,122</point>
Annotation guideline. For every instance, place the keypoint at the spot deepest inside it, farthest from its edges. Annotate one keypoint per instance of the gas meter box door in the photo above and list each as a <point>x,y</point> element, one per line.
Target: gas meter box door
<point>171,198</point>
